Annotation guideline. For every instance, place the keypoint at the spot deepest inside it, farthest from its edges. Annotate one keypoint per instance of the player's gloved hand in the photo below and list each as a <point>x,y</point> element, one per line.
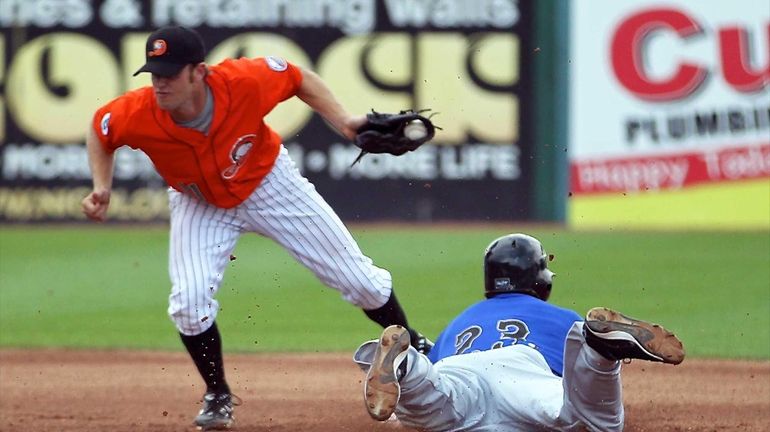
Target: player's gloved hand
<point>385,133</point>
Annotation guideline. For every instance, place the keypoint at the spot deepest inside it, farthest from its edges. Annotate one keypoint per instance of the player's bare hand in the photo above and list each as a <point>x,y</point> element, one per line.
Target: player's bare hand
<point>95,205</point>
<point>351,125</point>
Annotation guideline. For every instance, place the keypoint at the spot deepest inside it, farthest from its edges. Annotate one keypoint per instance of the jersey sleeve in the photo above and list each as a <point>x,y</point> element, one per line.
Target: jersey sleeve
<point>433,354</point>
<point>105,126</point>
<point>270,79</point>
<point>281,79</point>
<point>576,317</point>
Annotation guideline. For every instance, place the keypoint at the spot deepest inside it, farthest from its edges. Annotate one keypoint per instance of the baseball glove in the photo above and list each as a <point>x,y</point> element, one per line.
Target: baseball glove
<point>384,133</point>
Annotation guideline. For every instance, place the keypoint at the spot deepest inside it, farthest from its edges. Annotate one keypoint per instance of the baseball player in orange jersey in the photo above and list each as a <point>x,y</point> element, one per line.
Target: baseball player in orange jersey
<point>203,128</point>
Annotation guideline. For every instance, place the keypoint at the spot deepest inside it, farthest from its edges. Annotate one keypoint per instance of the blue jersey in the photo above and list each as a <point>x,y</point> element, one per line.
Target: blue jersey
<point>508,319</point>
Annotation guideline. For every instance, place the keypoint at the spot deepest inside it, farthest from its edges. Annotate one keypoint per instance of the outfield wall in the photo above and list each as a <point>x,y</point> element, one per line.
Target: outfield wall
<point>470,61</point>
<point>600,113</point>
<point>670,114</point>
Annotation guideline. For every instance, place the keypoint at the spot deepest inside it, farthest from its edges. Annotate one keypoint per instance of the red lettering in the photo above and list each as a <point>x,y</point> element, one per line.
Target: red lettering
<point>627,54</point>
<point>736,67</point>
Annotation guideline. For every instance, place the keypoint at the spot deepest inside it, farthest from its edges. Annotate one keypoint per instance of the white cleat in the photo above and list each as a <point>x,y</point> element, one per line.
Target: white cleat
<point>381,388</point>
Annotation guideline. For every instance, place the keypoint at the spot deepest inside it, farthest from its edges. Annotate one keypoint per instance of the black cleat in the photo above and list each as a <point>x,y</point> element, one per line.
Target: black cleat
<point>618,337</point>
<point>422,344</point>
<point>217,411</point>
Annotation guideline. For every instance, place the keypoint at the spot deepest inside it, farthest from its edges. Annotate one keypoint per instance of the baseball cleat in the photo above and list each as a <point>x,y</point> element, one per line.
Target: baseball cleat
<point>217,411</point>
<point>618,337</point>
<point>381,388</point>
<point>422,344</point>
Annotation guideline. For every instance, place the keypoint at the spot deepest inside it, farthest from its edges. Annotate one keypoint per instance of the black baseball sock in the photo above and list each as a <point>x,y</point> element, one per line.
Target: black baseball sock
<point>388,314</point>
<point>206,352</point>
<point>391,313</point>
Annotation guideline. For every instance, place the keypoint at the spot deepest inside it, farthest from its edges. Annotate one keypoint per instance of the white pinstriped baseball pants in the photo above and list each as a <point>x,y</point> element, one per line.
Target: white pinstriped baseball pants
<point>286,208</point>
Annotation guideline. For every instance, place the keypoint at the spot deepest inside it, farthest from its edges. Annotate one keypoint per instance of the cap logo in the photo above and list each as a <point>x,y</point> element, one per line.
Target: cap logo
<point>158,48</point>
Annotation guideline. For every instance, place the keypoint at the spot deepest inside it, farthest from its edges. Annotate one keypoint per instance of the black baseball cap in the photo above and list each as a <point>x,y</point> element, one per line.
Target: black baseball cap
<point>169,49</point>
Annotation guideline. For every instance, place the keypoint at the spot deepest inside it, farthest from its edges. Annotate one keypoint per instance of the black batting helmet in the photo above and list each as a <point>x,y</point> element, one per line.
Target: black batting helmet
<point>517,263</point>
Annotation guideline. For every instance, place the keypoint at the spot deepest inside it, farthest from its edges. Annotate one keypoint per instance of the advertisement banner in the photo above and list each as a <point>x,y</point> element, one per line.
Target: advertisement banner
<point>668,95</point>
<point>60,61</point>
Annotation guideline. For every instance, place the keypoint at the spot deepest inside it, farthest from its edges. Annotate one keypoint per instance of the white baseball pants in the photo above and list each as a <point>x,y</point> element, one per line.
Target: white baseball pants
<point>286,208</point>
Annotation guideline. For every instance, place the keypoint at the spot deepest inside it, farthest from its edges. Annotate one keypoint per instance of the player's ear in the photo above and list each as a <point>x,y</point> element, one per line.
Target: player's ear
<point>199,72</point>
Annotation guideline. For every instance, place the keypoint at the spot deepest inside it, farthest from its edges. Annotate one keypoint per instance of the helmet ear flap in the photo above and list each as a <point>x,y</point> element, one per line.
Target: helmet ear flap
<point>543,284</point>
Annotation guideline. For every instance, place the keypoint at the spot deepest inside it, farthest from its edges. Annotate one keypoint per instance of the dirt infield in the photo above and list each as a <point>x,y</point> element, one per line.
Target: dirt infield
<point>145,391</point>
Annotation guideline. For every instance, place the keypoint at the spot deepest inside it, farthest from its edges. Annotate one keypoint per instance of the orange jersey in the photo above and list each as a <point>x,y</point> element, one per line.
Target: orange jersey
<point>225,166</point>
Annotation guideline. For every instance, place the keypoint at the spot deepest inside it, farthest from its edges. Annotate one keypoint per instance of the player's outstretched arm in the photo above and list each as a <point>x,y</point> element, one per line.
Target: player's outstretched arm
<point>96,203</point>
<point>318,96</point>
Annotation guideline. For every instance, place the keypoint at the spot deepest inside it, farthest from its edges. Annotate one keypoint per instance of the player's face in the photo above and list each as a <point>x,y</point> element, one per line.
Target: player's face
<point>175,92</point>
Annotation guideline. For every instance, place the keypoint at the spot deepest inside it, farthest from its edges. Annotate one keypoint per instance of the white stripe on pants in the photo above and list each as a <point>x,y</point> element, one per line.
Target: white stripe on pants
<point>286,208</point>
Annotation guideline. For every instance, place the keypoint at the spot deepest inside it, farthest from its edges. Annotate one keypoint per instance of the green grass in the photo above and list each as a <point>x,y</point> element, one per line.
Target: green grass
<point>107,287</point>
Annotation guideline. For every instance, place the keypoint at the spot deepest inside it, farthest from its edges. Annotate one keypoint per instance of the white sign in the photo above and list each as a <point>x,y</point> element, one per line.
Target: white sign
<point>666,87</point>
